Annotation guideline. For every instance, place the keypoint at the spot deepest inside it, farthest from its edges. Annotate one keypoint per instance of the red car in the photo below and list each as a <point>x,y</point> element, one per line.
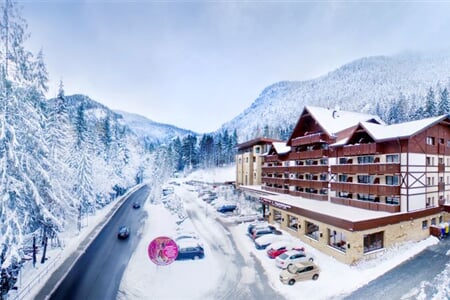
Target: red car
<point>279,248</point>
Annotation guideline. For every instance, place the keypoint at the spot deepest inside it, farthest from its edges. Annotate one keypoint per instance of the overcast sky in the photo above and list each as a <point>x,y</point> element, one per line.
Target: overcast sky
<point>197,65</point>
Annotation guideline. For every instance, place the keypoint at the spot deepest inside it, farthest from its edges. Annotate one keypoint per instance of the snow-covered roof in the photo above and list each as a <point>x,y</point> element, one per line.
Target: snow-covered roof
<point>333,121</point>
<point>385,132</point>
<point>281,147</point>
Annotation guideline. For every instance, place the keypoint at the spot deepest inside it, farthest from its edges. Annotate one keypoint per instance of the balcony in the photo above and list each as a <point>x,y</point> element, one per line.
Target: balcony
<point>376,168</point>
<point>274,180</point>
<point>275,169</point>
<point>314,184</point>
<point>366,204</point>
<point>319,197</point>
<point>441,187</point>
<point>309,139</point>
<point>271,158</point>
<point>441,168</point>
<point>275,190</point>
<point>361,149</point>
<point>362,188</point>
<point>312,169</point>
<point>308,154</point>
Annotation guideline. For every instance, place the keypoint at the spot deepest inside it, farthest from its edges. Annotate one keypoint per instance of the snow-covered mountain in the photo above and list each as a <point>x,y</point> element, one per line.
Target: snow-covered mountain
<point>360,85</point>
<point>151,131</point>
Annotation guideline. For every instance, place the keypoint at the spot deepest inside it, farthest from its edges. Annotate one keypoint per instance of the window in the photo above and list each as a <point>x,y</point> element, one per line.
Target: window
<point>433,221</point>
<point>392,200</point>
<point>367,197</point>
<point>324,161</point>
<point>240,160</point>
<point>336,239</point>
<point>257,149</point>
<point>343,178</point>
<point>430,140</point>
<point>441,160</point>
<point>293,222</point>
<point>392,180</point>
<point>365,178</point>
<point>428,181</point>
<point>428,203</point>
<point>342,160</point>
<point>424,224</point>
<point>441,141</point>
<point>277,217</point>
<point>428,161</point>
<point>373,241</point>
<point>440,219</point>
<point>312,230</point>
<point>323,176</point>
<point>254,159</point>
<point>392,158</point>
<point>365,159</point>
<point>246,159</point>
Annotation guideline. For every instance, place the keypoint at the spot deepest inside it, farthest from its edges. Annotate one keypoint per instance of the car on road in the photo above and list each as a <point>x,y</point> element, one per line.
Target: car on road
<point>227,208</point>
<point>124,232</point>
<point>291,257</point>
<point>265,240</point>
<point>136,205</point>
<point>189,249</point>
<point>299,271</point>
<point>277,248</point>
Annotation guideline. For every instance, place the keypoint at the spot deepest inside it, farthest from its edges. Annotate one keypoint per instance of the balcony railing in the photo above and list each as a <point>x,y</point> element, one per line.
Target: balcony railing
<point>275,169</point>
<point>373,189</point>
<point>360,149</point>
<point>312,169</point>
<point>271,158</point>
<point>320,197</point>
<point>274,180</point>
<point>308,154</point>
<point>275,190</point>
<point>366,204</point>
<point>314,184</point>
<point>376,168</point>
<point>309,139</point>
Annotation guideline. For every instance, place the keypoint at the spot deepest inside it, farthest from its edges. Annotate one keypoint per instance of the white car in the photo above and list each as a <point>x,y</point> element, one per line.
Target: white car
<point>265,240</point>
<point>290,257</point>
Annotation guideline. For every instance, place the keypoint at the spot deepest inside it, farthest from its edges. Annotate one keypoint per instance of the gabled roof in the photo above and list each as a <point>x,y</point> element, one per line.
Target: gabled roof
<point>280,148</point>
<point>401,130</point>
<point>333,121</point>
<point>257,141</point>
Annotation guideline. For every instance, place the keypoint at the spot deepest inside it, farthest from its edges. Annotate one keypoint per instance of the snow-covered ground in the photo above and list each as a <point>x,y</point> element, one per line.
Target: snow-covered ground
<point>200,278</point>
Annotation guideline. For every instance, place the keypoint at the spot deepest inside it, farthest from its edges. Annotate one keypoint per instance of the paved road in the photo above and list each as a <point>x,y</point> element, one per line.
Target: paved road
<point>242,276</point>
<point>98,272</point>
<point>405,281</point>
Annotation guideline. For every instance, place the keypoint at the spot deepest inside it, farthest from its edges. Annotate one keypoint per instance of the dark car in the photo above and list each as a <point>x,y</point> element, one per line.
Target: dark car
<point>227,208</point>
<point>136,205</point>
<point>259,225</point>
<point>189,249</point>
<point>124,232</point>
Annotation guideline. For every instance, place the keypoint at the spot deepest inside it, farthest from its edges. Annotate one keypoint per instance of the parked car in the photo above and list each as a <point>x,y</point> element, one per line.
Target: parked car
<point>189,249</point>
<point>124,232</point>
<point>258,232</point>
<point>299,271</point>
<point>242,218</point>
<point>265,240</point>
<point>258,225</point>
<point>136,205</point>
<point>227,208</point>
<point>277,248</point>
<point>291,257</point>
